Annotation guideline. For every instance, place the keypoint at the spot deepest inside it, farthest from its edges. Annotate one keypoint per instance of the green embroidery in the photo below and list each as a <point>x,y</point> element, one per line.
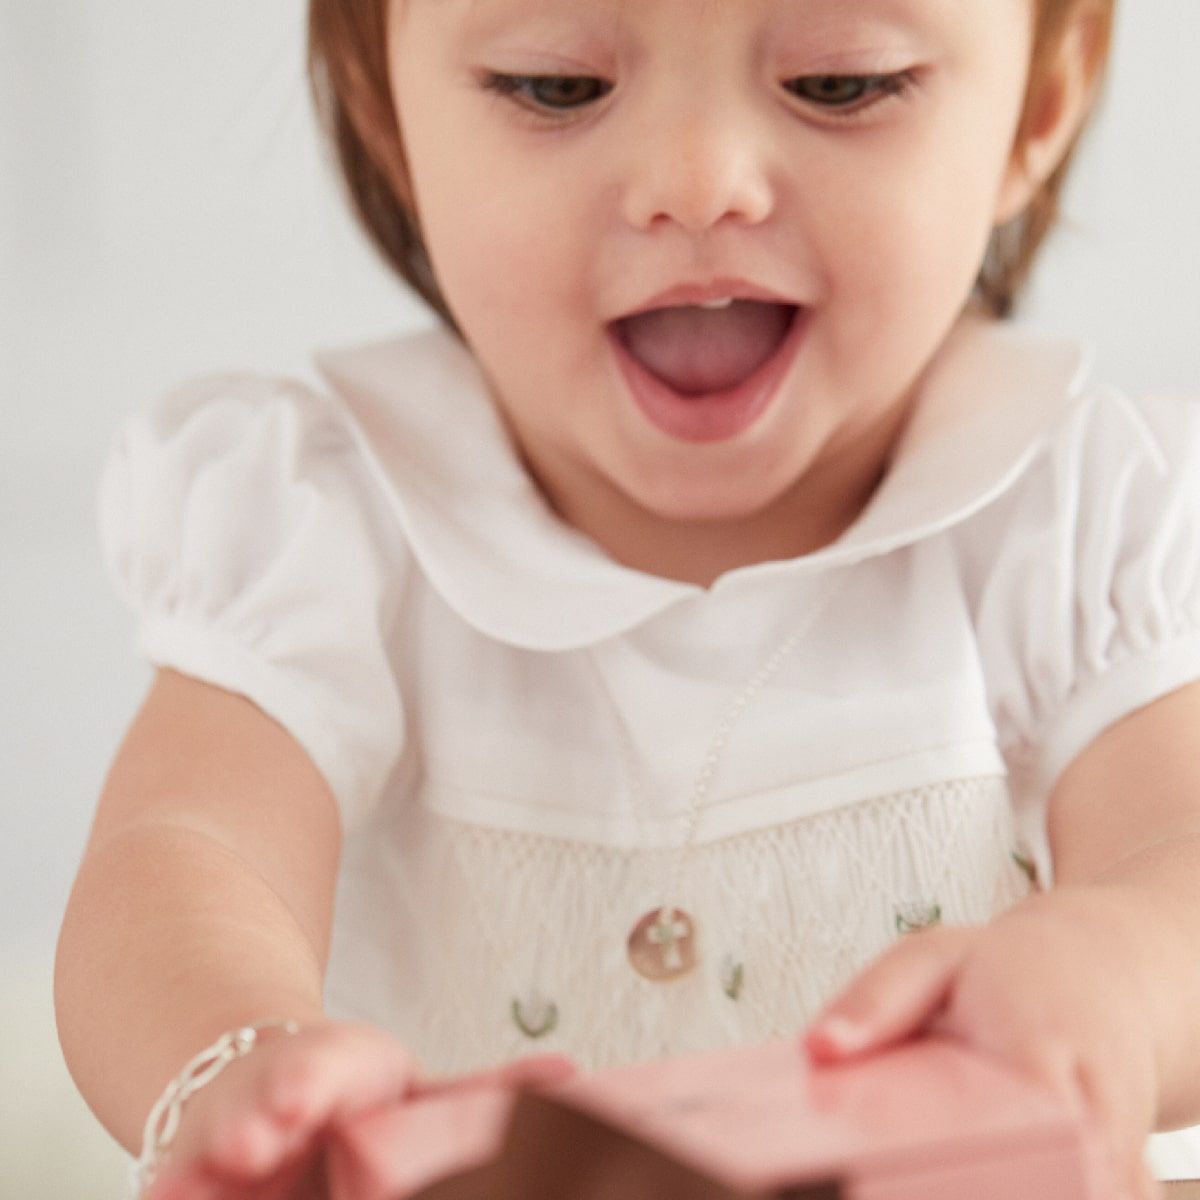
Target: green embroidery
<point>544,1019</point>
<point>733,975</point>
<point>914,916</point>
<point>1026,865</point>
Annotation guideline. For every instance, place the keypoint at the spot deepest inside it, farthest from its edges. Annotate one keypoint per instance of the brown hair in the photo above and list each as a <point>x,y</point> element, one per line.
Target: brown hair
<point>348,75</point>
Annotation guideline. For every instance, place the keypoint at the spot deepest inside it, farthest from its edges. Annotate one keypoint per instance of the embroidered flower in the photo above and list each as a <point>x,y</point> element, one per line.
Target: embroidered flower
<point>917,914</point>
<point>732,975</point>
<point>1027,865</point>
<point>535,1016</point>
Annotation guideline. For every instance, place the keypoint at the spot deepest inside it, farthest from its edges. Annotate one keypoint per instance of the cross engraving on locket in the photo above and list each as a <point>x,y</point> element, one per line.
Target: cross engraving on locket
<point>662,945</point>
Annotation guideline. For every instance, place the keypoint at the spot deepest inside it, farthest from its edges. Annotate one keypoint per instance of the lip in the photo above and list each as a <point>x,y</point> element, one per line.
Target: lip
<point>715,289</point>
<point>714,416</point>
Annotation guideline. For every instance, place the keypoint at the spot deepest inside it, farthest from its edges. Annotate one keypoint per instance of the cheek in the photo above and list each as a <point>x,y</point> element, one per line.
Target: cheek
<point>497,238</point>
<point>916,222</point>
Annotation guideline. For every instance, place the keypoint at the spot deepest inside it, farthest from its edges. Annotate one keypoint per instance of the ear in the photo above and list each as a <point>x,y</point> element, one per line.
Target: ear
<point>1057,111</point>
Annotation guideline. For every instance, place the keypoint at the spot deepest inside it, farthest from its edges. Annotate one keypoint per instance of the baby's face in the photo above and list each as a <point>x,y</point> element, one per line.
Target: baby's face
<point>693,140</point>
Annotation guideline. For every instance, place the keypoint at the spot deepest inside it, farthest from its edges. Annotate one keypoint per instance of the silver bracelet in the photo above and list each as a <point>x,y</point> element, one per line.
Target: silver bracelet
<point>163,1122</point>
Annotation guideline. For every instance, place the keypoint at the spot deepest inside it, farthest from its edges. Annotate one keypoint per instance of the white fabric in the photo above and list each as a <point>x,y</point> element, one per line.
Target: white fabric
<point>800,905</point>
<point>228,511</point>
<point>372,566</point>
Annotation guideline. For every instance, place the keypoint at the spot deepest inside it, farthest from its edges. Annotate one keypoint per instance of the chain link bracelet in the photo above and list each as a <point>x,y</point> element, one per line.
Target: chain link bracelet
<point>163,1122</point>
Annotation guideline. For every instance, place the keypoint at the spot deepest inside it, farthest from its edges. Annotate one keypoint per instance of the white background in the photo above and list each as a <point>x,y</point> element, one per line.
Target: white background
<point>165,209</point>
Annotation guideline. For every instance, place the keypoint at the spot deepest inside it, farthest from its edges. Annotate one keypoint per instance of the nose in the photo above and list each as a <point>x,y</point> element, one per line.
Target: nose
<point>698,171</point>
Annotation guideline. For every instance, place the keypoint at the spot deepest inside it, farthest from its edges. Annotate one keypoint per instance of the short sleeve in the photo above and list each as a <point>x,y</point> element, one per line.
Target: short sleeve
<point>237,521</point>
<point>1089,603</point>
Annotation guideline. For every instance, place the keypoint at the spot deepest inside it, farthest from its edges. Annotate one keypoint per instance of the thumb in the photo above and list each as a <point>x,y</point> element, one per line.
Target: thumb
<point>895,997</point>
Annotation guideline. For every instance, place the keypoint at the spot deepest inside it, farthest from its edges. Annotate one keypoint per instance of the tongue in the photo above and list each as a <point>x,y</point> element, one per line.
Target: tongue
<point>698,350</point>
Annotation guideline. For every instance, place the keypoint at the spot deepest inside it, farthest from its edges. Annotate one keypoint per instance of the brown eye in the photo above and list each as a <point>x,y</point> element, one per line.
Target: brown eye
<point>548,93</point>
<point>833,91</point>
<point>563,91</point>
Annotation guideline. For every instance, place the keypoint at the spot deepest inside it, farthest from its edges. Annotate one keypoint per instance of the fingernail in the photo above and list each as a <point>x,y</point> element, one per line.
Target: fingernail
<point>837,1035</point>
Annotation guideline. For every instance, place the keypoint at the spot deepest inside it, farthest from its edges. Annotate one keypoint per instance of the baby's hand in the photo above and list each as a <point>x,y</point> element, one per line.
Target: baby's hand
<point>257,1131</point>
<point>1052,985</point>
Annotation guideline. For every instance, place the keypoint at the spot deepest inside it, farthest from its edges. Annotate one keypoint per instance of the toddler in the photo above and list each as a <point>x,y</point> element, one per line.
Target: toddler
<point>722,624</point>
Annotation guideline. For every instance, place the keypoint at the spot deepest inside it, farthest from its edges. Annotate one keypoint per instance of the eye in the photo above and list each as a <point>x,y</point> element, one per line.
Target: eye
<point>547,95</point>
<point>549,99</point>
<point>843,94</point>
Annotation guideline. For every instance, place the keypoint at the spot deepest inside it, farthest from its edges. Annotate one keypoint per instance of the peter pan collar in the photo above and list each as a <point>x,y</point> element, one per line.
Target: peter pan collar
<point>418,407</point>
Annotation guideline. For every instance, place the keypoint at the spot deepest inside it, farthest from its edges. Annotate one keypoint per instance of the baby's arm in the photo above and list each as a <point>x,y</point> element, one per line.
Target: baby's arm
<point>1125,819</point>
<point>1092,986</point>
<point>203,901</point>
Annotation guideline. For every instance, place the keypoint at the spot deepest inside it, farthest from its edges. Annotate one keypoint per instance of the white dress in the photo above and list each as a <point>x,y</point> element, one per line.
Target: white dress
<point>513,724</point>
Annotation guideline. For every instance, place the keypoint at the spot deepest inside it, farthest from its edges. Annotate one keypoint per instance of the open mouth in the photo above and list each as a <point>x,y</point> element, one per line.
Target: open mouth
<point>706,373</point>
<point>698,350</point>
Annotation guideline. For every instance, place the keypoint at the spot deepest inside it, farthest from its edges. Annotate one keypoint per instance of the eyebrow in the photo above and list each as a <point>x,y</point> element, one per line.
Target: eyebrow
<point>485,17</point>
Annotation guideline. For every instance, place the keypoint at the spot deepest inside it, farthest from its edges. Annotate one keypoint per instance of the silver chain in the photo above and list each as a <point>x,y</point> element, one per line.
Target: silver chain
<point>722,734</point>
<point>163,1122</point>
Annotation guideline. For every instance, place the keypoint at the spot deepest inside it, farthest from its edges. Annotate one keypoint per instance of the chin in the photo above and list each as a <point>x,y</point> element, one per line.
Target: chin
<point>696,500</point>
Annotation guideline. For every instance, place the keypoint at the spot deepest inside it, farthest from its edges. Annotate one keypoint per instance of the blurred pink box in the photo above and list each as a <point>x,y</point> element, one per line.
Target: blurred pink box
<point>929,1120</point>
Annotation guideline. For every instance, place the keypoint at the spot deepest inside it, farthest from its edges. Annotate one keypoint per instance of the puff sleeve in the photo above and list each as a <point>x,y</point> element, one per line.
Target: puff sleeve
<point>1089,603</point>
<point>237,521</point>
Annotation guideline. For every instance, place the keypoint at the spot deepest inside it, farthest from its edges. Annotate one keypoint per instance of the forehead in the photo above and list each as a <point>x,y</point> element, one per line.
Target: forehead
<point>482,14</point>
<point>478,21</point>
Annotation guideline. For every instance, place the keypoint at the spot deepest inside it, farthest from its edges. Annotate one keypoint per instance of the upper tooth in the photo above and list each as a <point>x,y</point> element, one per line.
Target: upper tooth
<point>724,302</point>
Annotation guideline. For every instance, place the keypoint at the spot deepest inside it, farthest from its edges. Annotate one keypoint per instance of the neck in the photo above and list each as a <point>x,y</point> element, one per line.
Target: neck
<point>811,514</point>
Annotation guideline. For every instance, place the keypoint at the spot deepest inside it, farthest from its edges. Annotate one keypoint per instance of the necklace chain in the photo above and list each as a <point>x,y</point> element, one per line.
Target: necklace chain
<point>721,735</point>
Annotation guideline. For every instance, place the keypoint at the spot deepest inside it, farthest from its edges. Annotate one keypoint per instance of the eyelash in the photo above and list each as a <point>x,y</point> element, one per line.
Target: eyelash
<point>885,88</point>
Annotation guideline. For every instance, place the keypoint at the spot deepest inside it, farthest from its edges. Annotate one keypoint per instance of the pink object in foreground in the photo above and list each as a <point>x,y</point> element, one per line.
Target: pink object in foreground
<point>928,1120</point>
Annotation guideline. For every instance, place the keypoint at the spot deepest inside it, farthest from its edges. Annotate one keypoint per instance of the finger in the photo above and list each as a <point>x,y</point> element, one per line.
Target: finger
<point>1121,1122</point>
<point>252,1146</point>
<point>1052,1065</point>
<point>1111,1109</point>
<point>343,1072</point>
<point>301,1179</point>
<point>168,1186</point>
<point>894,997</point>
<point>538,1070</point>
<point>541,1070</point>
<point>181,1184</point>
<point>341,1075</point>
